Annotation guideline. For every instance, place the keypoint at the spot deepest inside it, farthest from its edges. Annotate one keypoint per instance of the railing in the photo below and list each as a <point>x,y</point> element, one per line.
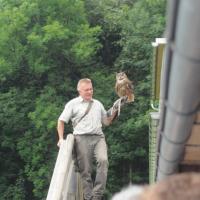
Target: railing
<point>65,183</point>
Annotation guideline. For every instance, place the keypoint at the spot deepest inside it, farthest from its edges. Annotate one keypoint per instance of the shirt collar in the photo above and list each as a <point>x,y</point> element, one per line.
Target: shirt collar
<point>82,100</point>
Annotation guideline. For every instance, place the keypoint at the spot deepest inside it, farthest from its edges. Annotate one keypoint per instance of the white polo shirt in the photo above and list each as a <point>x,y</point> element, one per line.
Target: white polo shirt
<point>91,123</point>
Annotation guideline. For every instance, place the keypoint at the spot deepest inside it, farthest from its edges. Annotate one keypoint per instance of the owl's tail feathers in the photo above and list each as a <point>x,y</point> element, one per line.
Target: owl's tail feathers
<point>131,98</point>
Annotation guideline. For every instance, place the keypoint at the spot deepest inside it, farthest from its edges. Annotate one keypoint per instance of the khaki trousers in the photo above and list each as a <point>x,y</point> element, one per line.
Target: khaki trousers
<point>90,149</point>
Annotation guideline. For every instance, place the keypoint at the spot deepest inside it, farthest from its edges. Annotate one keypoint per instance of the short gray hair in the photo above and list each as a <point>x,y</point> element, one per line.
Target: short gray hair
<point>83,80</point>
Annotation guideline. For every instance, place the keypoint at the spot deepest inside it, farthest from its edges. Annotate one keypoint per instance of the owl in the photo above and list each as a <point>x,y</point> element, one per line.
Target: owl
<point>124,87</point>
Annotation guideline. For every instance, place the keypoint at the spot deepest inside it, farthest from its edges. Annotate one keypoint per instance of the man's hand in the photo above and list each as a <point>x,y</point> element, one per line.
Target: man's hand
<point>60,141</point>
<point>119,103</point>
<point>115,109</point>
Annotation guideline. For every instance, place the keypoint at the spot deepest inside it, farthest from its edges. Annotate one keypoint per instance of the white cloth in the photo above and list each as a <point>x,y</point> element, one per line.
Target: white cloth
<point>91,123</point>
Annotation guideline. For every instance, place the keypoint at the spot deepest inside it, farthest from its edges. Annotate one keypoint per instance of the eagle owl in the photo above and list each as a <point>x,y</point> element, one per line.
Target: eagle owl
<point>124,87</point>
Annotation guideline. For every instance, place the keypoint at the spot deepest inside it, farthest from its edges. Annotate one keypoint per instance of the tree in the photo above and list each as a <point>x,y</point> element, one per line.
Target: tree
<point>43,47</point>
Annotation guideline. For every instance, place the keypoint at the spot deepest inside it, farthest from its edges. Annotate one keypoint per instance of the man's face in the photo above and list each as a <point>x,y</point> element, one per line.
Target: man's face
<point>86,91</point>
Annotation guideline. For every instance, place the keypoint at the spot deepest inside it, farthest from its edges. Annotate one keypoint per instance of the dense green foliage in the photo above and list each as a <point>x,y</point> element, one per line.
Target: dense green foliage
<point>45,47</point>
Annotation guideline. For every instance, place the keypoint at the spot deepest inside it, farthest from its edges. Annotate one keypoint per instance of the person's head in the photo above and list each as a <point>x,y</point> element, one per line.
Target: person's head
<point>183,186</point>
<point>85,89</point>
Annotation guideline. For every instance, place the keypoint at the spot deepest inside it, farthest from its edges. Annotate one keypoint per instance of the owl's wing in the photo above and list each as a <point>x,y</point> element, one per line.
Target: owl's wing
<point>130,86</point>
<point>117,88</point>
<point>129,92</point>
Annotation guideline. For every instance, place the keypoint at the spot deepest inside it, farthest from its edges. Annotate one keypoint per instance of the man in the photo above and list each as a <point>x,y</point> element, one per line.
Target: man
<point>87,116</point>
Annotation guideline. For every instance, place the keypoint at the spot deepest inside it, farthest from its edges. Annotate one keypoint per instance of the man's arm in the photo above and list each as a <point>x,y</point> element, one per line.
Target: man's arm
<point>111,115</point>
<point>113,112</point>
<point>60,129</point>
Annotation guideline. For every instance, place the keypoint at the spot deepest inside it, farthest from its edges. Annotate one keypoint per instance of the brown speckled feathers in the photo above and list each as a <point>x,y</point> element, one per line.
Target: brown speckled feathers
<point>124,87</point>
